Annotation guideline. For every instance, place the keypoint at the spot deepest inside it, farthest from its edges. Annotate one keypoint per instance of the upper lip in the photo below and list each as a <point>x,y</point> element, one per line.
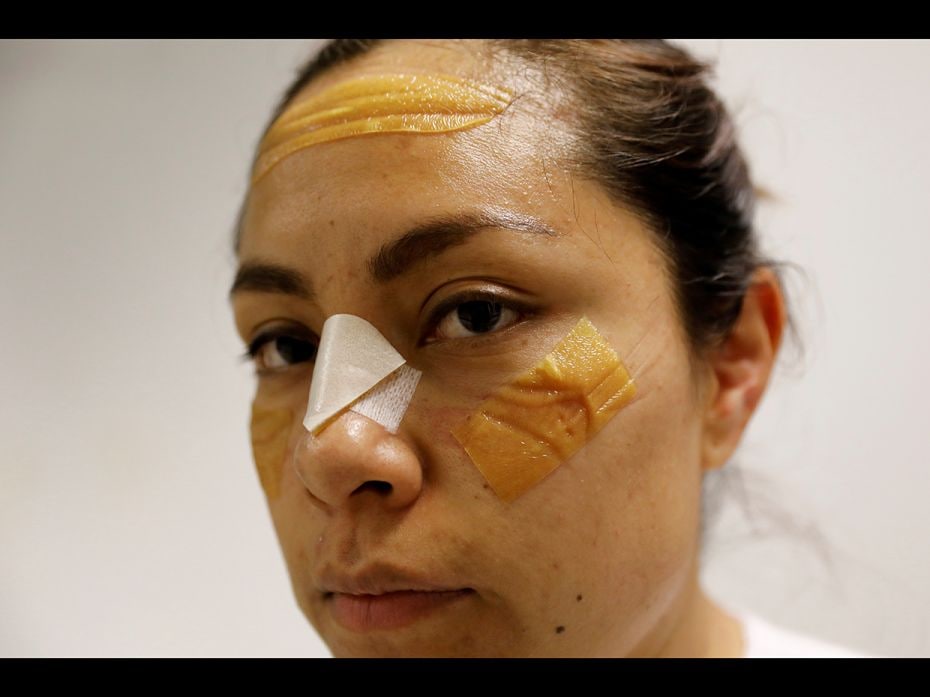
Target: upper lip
<point>378,579</point>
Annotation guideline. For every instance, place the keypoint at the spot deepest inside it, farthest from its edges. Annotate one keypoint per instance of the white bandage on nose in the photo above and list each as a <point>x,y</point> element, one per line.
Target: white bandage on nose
<point>357,368</point>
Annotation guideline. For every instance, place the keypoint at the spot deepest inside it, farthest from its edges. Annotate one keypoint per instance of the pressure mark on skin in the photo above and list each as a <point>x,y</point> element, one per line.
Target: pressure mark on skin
<point>529,427</point>
<point>380,104</point>
<point>270,430</point>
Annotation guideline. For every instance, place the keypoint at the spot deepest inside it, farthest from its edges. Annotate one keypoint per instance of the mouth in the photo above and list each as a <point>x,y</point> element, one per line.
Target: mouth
<point>392,610</point>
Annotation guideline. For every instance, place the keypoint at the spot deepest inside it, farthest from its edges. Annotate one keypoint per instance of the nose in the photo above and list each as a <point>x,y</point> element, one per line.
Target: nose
<point>355,456</point>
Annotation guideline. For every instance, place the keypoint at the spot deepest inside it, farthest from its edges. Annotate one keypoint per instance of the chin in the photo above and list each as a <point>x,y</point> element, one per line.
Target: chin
<point>422,640</point>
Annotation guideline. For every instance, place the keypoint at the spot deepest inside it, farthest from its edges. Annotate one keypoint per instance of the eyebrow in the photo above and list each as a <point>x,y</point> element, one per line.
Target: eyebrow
<point>395,258</point>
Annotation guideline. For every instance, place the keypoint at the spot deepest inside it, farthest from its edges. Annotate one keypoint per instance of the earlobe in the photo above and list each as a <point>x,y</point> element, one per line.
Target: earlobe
<point>740,368</point>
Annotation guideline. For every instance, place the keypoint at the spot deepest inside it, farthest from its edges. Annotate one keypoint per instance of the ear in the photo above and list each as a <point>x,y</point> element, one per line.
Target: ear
<point>740,368</point>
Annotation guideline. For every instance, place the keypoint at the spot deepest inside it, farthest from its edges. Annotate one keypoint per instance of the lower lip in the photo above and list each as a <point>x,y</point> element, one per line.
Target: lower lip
<point>361,613</point>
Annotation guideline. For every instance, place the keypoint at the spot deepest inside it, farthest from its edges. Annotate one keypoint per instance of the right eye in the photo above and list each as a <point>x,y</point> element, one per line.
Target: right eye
<point>276,351</point>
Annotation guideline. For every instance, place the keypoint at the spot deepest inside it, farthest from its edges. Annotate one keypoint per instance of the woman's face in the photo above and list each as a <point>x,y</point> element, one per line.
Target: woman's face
<point>598,558</point>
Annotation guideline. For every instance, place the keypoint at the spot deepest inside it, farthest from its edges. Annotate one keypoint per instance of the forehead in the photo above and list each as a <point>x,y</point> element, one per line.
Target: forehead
<point>329,211</point>
<point>396,180</point>
<point>467,58</point>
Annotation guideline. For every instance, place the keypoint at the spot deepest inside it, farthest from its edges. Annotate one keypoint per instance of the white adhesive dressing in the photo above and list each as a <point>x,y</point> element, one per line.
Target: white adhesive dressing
<point>357,368</point>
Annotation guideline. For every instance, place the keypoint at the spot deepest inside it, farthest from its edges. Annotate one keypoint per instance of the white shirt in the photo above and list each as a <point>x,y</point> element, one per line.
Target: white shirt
<point>763,639</point>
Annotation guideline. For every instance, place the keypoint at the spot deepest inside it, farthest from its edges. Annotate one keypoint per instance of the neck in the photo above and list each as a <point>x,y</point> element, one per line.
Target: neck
<point>703,629</point>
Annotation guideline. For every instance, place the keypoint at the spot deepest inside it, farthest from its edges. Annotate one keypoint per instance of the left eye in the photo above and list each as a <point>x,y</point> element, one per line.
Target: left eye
<point>471,316</point>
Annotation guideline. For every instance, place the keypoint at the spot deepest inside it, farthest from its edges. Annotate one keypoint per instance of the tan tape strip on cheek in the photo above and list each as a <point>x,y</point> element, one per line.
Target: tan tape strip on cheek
<point>529,427</point>
<point>380,104</point>
<point>270,430</point>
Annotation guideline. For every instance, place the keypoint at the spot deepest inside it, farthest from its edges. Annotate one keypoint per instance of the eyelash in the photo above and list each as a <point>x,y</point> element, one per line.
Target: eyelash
<point>454,301</point>
<point>259,342</point>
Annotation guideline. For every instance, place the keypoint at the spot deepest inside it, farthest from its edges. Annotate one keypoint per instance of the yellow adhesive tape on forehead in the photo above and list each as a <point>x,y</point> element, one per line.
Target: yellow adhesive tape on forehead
<point>380,104</point>
<point>529,427</point>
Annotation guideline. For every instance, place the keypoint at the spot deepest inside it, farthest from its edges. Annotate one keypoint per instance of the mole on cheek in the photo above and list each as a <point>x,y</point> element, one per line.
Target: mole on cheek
<point>531,426</point>
<point>270,430</point>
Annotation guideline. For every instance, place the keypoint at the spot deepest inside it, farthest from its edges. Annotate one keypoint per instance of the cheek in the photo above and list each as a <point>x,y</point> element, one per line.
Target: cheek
<point>617,522</point>
<point>270,429</point>
<point>528,428</point>
<point>654,509</point>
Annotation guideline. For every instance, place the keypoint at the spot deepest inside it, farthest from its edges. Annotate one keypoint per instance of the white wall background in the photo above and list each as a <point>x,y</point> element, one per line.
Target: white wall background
<point>131,519</point>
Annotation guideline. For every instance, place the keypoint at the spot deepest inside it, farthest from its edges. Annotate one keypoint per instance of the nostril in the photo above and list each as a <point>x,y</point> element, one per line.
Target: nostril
<point>376,486</point>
